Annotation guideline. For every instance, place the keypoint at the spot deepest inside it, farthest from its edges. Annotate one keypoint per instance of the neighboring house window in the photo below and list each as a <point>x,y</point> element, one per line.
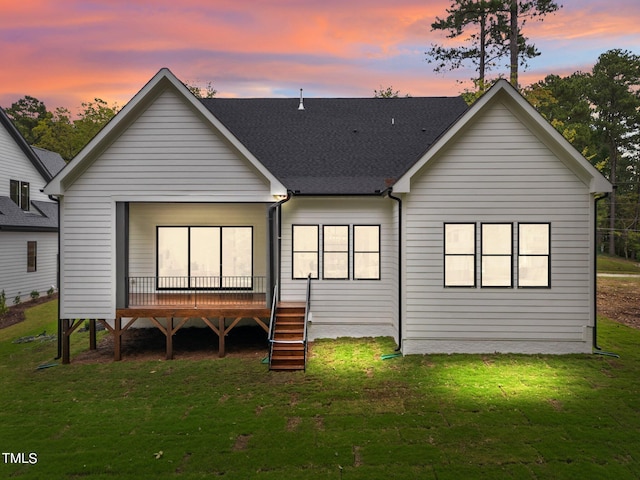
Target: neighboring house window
<point>205,257</point>
<point>366,252</point>
<point>497,254</point>
<point>305,251</point>
<point>19,193</point>
<point>534,255</point>
<point>335,252</point>
<point>32,256</point>
<point>459,254</point>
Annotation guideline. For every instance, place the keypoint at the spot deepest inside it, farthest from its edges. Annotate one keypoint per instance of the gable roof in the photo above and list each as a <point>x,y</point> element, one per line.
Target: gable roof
<point>337,145</point>
<point>504,92</point>
<point>6,122</point>
<point>163,80</point>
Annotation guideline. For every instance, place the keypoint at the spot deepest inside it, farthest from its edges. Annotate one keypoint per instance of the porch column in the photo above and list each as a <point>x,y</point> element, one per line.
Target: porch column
<point>122,254</point>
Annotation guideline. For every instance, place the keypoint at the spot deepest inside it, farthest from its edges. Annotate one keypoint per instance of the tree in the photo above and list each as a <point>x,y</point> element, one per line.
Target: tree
<point>388,92</point>
<point>615,95</point>
<point>25,115</point>
<point>498,34</point>
<point>202,92</point>
<point>59,133</point>
<point>480,16</point>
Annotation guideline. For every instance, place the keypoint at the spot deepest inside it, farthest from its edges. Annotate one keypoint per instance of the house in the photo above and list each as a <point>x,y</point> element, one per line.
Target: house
<point>450,228</point>
<point>28,217</point>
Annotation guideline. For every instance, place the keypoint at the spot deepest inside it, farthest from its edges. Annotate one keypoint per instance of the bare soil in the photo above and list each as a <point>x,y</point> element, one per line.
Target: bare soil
<point>16,312</point>
<point>618,299</point>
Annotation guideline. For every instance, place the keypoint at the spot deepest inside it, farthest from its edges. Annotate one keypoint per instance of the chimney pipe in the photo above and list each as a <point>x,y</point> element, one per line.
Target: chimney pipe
<point>301,106</point>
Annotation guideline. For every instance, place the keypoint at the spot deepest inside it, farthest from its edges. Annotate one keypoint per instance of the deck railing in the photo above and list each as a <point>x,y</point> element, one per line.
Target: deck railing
<point>196,291</point>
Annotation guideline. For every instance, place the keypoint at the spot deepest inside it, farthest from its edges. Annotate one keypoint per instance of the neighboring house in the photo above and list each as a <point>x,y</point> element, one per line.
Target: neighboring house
<point>28,217</point>
<point>450,228</point>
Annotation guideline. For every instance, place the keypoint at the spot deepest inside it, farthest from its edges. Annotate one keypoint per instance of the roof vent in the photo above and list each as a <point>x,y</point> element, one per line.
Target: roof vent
<point>301,106</point>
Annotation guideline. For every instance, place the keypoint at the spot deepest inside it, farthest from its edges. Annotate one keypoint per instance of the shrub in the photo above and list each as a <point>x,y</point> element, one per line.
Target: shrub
<point>3,303</point>
<point>34,294</point>
<point>16,299</point>
<point>51,291</point>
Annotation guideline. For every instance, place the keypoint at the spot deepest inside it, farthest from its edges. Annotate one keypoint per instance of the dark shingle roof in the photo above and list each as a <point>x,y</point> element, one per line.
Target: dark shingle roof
<point>338,146</point>
<point>42,217</point>
<point>52,161</point>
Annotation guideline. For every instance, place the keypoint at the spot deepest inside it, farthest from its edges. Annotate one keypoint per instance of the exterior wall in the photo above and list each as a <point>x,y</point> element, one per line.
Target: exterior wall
<point>14,278</point>
<point>16,166</point>
<point>144,217</point>
<point>498,171</point>
<point>354,308</point>
<point>168,154</point>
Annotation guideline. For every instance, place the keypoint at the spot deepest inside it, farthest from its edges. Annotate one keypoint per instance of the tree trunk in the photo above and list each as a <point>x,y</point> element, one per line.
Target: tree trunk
<point>513,42</point>
<point>612,198</point>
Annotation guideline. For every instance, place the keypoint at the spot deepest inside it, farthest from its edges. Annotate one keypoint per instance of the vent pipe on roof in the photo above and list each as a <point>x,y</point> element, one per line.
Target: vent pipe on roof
<point>301,106</point>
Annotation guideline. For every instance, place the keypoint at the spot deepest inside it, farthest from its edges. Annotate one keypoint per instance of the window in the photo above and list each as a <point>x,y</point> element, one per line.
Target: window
<point>205,257</point>
<point>534,255</point>
<point>459,254</point>
<point>335,252</point>
<point>305,251</point>
<point>19,193</point>
<point>32,256</point>
<point>366,252</point>
<point>497,249</point>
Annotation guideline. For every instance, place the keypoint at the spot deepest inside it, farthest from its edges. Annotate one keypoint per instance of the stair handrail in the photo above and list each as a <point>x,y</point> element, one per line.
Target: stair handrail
<point>272,319</point>
<point>307,308</point>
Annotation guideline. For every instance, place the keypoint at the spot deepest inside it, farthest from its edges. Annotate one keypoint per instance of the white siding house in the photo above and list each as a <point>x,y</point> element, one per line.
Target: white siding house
<point>452,229</point>
<point>28,218</point>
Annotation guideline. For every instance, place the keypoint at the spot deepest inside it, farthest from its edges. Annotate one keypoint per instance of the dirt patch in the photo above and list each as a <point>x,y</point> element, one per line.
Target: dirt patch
<point>16,312</point>
<point>619,300</point>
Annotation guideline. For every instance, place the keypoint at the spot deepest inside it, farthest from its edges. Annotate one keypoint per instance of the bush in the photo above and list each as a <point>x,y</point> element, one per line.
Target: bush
<point>16,299</point>
<point>3,303</point>
<point>51,291</point>
<point>34,294</point>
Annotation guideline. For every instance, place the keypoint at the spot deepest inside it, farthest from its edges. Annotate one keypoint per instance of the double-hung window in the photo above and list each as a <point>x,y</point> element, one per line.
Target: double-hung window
<point>366,252</point>
<point>497,250</point>
<point>534,255</point>
<point>335,252</point>
<point>459,254</point>
<point>305,251</point>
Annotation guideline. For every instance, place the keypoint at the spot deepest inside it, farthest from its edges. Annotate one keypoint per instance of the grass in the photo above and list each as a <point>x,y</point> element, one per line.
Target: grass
<point>350,416</point>
<point>607,264</point>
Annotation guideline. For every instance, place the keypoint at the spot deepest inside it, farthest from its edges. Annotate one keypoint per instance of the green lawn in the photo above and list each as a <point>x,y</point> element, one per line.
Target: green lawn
<point>350,416</point>
<point>607,264</point>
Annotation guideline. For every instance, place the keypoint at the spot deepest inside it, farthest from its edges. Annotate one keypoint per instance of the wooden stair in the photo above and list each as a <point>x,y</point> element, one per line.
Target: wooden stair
<point>288,348</point>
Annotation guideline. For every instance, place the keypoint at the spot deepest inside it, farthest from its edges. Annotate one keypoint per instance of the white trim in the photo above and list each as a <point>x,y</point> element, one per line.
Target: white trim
<point>503,89</point>
<point>162,80</point>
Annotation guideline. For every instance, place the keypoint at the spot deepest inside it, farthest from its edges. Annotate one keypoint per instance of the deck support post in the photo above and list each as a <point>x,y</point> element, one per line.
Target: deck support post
<point>92,334</point>
<point>66,344</point>
<point>117,339</point>
<point>169,335</point>
<point>221,335</point>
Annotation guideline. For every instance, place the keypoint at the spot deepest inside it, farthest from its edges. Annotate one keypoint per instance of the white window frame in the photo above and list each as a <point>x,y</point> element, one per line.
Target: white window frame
<point>335,251</point>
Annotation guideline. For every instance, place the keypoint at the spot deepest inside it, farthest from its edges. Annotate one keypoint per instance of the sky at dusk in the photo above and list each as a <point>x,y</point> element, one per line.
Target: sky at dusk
<point>65,52</point>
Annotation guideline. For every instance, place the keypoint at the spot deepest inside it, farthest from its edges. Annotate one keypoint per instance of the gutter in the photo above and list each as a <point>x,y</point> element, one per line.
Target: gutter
<point>598,349</point>
<point>399,200</point>
<point>274,208</point>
